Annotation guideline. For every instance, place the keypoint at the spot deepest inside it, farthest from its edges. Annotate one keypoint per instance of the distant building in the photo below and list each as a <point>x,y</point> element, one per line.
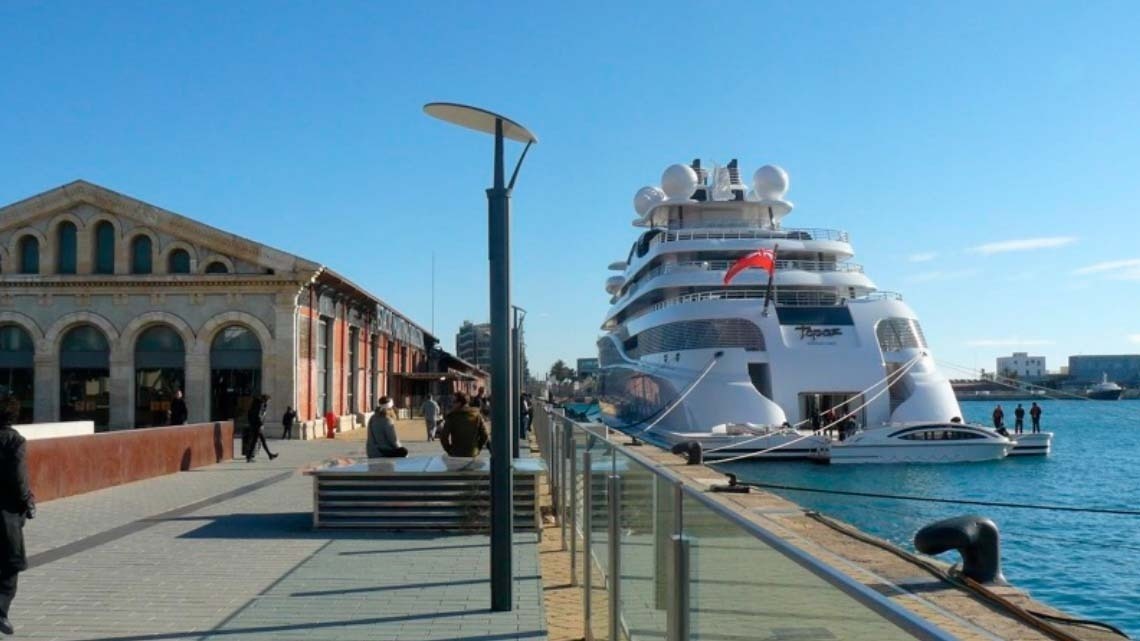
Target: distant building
<point>1123,369</point>
<point>1021,365</point>
<point>587,366</point>
<point>473,344</point>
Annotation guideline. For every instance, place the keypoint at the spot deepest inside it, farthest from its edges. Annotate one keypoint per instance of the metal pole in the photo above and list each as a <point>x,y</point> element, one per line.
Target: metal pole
<point>587,523</point>
<point>677,621</point>
<point>573,483</point>
<point>614,491</point>
<point>498,252</point>
<point>516,389</point>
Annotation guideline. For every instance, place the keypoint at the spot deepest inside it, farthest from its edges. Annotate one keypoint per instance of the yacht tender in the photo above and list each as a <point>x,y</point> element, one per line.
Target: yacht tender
<point>685,356</point>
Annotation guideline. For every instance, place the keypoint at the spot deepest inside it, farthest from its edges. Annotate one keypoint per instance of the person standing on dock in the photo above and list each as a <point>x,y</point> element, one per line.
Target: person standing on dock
<point>1018,419</point>
<point>17,505</point>
<point>431,416</point>
<point>999,417</point>
<point>1035,416</point>
<point>287,422</point>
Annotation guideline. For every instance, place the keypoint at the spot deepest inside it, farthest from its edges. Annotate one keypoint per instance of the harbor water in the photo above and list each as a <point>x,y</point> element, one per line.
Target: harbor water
<point>1087,564</point>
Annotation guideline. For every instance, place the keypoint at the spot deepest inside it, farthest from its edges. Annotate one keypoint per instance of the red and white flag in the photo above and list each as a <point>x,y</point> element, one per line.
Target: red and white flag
<point>762,259</point>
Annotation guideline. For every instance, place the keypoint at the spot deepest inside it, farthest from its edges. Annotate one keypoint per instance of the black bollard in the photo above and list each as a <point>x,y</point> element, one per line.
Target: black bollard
<point>974,537</point>
<point>691,450</point>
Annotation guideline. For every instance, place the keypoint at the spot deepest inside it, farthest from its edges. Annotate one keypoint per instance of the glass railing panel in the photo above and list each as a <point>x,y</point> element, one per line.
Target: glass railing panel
<point>644,527</point>
<point>597,560</point>
<point>742,588</point>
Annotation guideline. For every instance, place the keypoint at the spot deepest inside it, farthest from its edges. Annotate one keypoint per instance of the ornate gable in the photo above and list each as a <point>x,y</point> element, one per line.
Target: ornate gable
<point>86,204</point>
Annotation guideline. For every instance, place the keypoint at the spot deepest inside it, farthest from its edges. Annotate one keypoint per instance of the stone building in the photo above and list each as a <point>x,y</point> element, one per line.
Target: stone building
<point>108,305</point>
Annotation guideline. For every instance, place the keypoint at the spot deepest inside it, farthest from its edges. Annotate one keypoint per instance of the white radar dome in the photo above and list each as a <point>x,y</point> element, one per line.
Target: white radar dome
<point>679,182</point>
<point>646,198</point>
<point>770,181</point>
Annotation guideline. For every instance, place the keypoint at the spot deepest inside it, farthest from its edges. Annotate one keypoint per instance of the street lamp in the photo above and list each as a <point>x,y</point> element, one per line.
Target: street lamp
<point>517,377</point>
<point>498,252</point>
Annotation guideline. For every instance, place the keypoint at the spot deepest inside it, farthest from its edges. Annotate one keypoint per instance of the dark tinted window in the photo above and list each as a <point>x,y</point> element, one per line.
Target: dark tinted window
<point>29,255</point>
<point>65,248</point>
<point>104,248</point>
<point>178,262</point>
<point>141,261</point>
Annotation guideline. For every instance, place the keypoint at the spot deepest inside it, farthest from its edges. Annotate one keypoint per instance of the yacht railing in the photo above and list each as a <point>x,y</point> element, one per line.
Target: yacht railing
<point>656,554</point>
<point>723,265</point>
<point>745,234</point>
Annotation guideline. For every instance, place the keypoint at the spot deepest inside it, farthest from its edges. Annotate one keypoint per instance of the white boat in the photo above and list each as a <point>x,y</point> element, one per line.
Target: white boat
<point>683,352</point>
<point>1031,444</point>
<point>1105,390</point>
<point>920,443</point>
<point>729,441</point>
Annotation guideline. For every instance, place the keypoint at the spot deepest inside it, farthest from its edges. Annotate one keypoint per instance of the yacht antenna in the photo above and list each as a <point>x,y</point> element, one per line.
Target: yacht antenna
<point>771,276</point>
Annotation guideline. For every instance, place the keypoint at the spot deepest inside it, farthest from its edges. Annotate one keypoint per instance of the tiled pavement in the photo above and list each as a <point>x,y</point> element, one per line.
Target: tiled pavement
<point>126,564</point>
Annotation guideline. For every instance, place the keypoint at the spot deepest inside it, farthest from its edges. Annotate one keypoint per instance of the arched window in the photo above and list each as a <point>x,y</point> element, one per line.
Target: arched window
<point>160,366</point>
<point>141,261</point>
<point>65,248</point>
<point>104,248</point>
<point>29,255</point>
<point>235,372</point>
<point>216,267</point>
<point>178,262</point>
<point>85,376</point>
<point>17,373</point>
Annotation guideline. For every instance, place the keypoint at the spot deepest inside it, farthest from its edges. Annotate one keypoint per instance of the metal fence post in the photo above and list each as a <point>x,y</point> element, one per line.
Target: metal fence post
<point>573,487</point>
<point>587,574</point>
<point>677,622</point>
<point>613,491</point>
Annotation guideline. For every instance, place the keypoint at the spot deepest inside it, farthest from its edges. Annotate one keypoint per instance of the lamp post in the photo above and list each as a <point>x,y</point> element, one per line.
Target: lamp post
<point>498,253</point>
<point>517,377</point>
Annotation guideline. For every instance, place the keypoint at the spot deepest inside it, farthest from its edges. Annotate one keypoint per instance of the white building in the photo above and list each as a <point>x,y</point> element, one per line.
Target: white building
<point>1021,365</point>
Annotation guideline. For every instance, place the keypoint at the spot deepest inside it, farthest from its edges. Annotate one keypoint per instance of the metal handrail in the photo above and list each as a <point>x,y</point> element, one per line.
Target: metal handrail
<point>723,265</point>
<point>737,233</point>
<point>876,602</point>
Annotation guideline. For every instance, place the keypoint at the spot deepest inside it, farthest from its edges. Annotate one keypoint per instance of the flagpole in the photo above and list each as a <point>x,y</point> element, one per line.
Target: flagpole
<point>771,277</point>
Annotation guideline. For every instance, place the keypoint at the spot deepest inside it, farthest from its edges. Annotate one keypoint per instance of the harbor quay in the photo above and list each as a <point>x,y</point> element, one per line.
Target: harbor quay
<point>228,551</point>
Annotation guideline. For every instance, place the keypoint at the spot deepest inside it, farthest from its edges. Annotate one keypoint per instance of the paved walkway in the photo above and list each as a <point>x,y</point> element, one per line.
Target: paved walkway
<point>227,552</point>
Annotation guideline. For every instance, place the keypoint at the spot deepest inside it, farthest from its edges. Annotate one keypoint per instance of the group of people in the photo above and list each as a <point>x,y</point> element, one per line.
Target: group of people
<point>462,431</point>
<point>1018,418</point>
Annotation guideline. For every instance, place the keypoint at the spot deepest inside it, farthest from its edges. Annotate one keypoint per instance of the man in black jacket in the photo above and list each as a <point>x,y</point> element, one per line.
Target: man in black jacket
<point>16,505</point>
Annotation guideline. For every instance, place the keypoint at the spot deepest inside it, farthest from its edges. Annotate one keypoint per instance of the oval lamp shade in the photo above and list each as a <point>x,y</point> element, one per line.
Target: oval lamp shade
<point>478,119</point>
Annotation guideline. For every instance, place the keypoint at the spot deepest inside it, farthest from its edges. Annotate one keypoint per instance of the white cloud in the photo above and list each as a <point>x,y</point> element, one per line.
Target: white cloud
<point>922,257</point>
<point>1126,269</point>
<point>1023,244</point>
<point>926,277</point>
<point>1134,338</point>
<point>1108,266</point>
<point>1008,342</point>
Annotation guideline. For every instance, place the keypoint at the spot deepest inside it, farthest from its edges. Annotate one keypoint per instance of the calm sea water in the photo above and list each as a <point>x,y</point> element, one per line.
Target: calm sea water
<point>1085,564</point>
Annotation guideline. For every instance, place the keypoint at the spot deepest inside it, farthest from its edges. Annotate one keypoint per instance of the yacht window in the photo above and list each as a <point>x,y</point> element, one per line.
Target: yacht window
<point>897,334</point>
<point>696,334</point>
<point>941,435</point>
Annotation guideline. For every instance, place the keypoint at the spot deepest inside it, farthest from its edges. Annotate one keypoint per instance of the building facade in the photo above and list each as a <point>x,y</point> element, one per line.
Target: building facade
<point>473,344</point>
<point>108,305</point>
<point>1021,365</point>
<point>1123,369</point>
<point>587,366</point>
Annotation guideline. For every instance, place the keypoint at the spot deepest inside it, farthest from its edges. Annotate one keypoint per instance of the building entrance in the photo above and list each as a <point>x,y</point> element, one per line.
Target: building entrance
<point>814,407</point>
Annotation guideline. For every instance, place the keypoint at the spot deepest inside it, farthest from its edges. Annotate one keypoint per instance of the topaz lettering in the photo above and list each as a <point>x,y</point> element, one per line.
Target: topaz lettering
<point>807,331</point>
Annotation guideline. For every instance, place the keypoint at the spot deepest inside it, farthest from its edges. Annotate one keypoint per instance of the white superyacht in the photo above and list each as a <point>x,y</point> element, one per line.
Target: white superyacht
<point>755,365</point>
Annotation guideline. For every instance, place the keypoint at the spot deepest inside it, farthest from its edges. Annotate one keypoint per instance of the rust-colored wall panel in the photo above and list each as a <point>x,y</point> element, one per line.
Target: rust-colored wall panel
<point>70,465</point>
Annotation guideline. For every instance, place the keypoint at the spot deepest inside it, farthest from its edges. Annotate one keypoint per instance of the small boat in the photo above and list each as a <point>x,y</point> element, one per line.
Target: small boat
<point>1105,390</point>
<point>1031,444</point>
<point>920,443</point>
<point>758,442</point>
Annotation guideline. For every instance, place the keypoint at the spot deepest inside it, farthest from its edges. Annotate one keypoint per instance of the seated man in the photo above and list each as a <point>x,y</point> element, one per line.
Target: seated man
<point>464,431</point>
<point>382,439</point>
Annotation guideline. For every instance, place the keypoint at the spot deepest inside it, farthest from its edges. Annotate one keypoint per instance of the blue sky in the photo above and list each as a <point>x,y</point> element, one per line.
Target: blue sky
<point>999,141</point>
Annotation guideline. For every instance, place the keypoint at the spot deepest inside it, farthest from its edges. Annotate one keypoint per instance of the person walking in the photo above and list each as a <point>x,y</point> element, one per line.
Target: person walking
<point>178,411</point>
<point>1018,419</point>
<point>431,416</point>
<point>1035,416</point>
<point>464,430</point>
<point>256,418</point>
<point>287,422</point>
<point>999,417</point>
<point>383,442</point>
<point>17,505</point>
